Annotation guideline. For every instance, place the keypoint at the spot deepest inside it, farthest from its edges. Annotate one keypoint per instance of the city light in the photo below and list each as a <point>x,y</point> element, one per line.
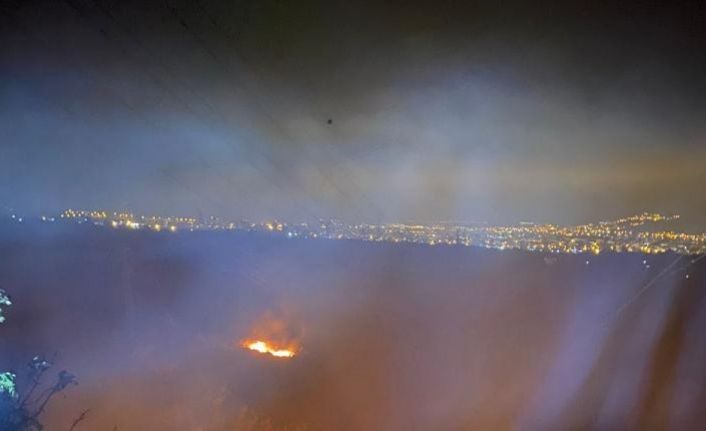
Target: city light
<point>643,233</point>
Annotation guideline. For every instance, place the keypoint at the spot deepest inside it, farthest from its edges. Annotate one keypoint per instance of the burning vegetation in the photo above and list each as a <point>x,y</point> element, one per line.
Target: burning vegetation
<point>273,335</point>
<point>268,348</point>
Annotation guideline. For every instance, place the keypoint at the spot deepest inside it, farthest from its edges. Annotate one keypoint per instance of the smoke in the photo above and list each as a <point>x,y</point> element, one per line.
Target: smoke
<point>390,337</point>
<point>184,108</point>
<point>279,110</point>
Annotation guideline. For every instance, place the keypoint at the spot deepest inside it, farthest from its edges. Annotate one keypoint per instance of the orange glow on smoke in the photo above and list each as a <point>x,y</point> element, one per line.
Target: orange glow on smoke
<point>268,348</point>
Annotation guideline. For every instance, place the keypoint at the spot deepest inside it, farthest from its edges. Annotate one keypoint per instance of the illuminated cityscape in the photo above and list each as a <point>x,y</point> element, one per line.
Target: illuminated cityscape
<point>647,233</point>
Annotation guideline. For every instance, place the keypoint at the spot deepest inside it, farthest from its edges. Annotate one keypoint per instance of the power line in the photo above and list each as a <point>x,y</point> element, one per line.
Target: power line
<point>616,315</point>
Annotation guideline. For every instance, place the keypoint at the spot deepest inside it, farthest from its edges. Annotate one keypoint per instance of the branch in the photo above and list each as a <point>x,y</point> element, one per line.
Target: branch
<point>81,417</point>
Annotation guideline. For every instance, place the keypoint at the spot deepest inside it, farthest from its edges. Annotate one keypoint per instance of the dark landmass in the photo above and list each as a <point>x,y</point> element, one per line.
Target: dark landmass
<point>393,337</point>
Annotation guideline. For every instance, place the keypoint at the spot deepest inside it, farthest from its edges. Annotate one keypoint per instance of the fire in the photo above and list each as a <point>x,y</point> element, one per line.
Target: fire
<point>265,347</point>
<point>275,334</point>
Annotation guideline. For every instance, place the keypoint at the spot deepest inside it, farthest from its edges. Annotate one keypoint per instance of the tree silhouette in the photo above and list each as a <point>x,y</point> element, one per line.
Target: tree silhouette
<point>21,408</point>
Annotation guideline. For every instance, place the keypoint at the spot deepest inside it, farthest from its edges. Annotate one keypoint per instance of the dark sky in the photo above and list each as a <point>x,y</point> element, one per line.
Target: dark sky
<point>492,112</point>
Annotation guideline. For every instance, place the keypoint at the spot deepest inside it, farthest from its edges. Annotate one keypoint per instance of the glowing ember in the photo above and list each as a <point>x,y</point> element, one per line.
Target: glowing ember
<point>264,347</point>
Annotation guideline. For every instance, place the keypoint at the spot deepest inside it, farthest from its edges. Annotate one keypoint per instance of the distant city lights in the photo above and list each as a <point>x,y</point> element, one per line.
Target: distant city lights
<point>635,234</point>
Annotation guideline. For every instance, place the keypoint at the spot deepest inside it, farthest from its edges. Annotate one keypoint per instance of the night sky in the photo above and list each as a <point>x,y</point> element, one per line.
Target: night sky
<point>362,111</point>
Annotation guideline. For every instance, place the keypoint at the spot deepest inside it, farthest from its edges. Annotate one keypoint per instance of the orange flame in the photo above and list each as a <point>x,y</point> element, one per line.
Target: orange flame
<point>265,347</point>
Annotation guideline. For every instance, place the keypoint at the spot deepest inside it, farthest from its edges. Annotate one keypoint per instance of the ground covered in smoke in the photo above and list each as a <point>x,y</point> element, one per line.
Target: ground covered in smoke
<point>392,337</point>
